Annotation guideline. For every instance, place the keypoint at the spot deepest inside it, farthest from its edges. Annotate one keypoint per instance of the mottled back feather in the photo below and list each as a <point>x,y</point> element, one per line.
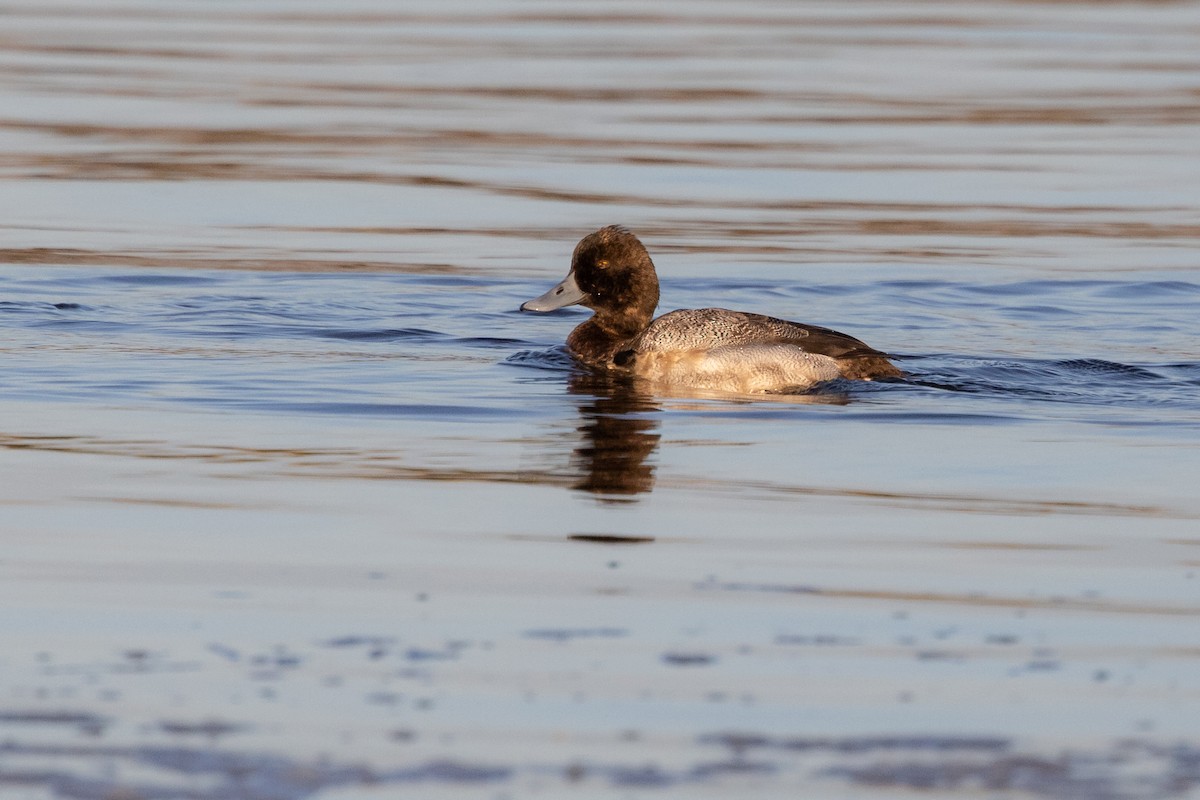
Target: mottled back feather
<point>707,328</point>
<point>704,328</point>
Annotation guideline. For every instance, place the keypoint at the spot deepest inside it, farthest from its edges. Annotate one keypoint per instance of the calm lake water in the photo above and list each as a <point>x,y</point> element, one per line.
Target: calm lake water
<point>295,504</point>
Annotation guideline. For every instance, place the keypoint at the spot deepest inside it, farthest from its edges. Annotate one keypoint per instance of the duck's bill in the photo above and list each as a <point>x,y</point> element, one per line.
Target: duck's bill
<point>565,294</point>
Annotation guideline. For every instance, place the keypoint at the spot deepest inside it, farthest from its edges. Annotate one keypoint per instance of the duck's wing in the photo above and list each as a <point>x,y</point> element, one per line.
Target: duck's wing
<point>707,328</point>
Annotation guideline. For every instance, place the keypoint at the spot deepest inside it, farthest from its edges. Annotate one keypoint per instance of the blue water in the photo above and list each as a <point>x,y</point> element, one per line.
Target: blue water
<point>1095,351</point>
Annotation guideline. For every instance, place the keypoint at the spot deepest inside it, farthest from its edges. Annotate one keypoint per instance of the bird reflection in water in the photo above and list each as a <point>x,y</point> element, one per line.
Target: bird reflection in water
<point>619,427</point>
<point>620,417</point>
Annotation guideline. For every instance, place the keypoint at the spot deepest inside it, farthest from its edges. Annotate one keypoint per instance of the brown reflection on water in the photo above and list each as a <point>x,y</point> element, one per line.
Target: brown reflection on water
<point>618,434</point>
<point>212,259</point>
<point>974,599</point>
<point>1017,546</point>
<point>619,428</point>
<point>333,463</point>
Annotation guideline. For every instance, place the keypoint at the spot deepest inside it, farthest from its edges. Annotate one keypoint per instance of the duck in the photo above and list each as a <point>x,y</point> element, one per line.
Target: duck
<point>712,349</point>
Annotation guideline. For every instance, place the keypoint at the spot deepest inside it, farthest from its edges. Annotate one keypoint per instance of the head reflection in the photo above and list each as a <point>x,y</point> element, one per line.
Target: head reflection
<point>619,432</point>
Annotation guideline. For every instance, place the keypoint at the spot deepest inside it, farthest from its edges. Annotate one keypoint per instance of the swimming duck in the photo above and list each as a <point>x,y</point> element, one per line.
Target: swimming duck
<point>707,348</point>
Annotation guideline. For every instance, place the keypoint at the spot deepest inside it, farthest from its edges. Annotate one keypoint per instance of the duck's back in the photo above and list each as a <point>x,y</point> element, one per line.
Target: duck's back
<point>709,329</point>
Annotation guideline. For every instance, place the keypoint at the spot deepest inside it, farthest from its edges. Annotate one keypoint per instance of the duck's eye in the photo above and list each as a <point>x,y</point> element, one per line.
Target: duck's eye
<point>602,263</point>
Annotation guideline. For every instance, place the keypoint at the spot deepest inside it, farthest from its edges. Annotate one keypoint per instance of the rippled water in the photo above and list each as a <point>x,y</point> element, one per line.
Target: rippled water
<point>295,504</point>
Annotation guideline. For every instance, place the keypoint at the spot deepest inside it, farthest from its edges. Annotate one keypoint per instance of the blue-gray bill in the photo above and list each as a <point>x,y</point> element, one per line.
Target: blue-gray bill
<point>565,294</point>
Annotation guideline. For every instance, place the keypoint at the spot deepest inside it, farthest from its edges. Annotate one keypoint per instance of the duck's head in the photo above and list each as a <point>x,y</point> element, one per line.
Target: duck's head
<point>611,273</point>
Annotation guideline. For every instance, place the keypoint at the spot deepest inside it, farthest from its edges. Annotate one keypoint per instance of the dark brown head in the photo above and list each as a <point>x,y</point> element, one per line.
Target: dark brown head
<point>611,273</point>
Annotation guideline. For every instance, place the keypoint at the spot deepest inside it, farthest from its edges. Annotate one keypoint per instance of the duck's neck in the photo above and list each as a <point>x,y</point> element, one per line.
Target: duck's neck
<point>607,333</point>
